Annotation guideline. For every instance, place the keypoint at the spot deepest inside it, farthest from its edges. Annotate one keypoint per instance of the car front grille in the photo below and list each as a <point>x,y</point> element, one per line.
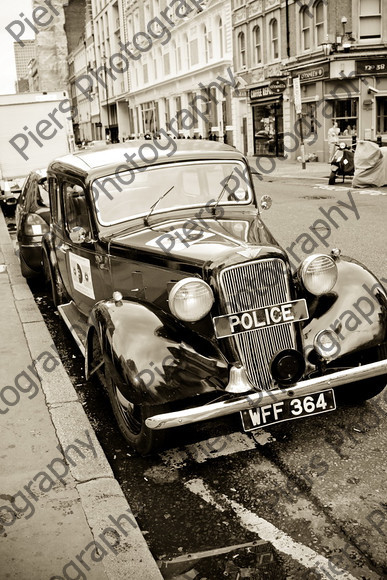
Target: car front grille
<point>256,285</point>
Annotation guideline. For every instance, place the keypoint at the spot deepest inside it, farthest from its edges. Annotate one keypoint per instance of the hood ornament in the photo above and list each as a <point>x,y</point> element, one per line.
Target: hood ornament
<point>250,253</point>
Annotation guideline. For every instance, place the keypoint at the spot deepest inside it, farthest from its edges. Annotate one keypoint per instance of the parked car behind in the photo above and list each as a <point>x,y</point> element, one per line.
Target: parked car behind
<point>184,304</point>
<point>9,193</point>
<point>32,221</point>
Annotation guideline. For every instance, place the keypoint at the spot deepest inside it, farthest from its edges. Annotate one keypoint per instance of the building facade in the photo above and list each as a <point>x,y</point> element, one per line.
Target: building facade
<point>24,54</point>
<point>181,78</point>
<point>337,50</point>
<point>108,75</point>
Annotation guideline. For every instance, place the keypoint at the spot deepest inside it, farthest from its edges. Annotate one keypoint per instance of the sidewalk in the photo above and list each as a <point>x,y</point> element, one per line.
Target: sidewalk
<point>277,167</point>
<point>62,513</point>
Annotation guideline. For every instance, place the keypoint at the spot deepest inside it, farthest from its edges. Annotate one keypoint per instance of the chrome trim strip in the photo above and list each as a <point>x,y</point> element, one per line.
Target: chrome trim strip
<point>67,321</point>
<point>261,398</point>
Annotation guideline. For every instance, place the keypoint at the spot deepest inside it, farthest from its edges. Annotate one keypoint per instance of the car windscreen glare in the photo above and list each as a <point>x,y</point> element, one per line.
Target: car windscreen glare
<point>129,194</point>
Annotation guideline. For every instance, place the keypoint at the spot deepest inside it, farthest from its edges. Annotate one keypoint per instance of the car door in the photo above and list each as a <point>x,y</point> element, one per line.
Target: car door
<point>78,252</point>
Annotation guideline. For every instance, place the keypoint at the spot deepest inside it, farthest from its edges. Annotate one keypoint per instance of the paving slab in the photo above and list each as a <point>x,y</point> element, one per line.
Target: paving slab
<point>110,518</point>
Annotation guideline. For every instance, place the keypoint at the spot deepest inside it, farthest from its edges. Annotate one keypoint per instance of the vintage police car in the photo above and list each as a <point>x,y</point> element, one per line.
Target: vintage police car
<point>185,305</point>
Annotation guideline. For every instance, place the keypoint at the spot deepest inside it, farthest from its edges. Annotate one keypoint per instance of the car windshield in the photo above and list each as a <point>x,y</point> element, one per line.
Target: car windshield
<point>126,195</point>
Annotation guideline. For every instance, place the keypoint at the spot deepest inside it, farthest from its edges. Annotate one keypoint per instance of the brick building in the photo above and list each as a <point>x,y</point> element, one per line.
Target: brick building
<point>338,51</point>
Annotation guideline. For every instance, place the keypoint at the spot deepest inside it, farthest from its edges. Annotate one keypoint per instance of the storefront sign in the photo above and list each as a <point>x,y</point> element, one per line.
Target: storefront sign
<point>372,66</point>
<point>277,86</point>
<point>297,95</point>
<point>314,74</point>
<point>261,92</point>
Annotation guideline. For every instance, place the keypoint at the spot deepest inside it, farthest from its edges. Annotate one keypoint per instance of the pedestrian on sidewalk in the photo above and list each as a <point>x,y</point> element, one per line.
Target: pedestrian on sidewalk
<point>333,139</point>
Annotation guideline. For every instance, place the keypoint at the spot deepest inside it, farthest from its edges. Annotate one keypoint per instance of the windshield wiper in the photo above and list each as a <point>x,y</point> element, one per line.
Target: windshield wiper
<point>146,218</point>
<point>222,192</point>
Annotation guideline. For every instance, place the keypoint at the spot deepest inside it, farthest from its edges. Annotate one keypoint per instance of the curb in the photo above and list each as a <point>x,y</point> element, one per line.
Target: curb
<point>100,495</point>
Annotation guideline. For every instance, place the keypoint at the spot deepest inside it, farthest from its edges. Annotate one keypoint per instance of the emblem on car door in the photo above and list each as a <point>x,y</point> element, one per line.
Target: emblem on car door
<point>81,275</point>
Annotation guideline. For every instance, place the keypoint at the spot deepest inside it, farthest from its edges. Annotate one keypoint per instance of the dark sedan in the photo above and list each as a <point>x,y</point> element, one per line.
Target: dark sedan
<point>184,304</point>
<point>32,221</point>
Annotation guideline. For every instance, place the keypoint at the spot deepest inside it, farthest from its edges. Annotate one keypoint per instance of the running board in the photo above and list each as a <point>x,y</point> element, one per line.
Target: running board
<point>76,323</point>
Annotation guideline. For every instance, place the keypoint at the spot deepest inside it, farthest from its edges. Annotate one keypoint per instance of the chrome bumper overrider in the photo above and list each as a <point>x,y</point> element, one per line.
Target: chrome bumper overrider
<point>262,398</point>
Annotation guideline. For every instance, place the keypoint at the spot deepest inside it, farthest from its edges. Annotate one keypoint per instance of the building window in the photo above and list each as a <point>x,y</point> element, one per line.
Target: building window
<point>370,19</point>
<point>319,22</point>
<point>205,36</point>
<point>186,55</point>
<point>309,119</point>
<point>274,38</point>
<point>305,28</point>
<point>221,42</point>
<point>194,52</point>
<point>257,45</point>
<point>167,65</point>
<point>381,115</point>
<point>345,112</point>
<point>242,50</point>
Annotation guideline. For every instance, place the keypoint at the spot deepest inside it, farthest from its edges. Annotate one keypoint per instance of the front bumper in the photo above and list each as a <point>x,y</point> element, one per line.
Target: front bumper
<point>262,398</point>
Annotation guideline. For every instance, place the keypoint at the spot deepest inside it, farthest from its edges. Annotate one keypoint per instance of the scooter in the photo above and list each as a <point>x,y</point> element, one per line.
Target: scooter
<point>342,163</point>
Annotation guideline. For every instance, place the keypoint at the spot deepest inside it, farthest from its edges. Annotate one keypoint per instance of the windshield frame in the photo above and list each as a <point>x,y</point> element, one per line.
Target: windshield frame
<point>129,218</point>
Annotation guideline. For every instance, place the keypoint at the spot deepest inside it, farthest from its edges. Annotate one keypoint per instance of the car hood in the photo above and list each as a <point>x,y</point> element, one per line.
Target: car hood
<point>191,242</point>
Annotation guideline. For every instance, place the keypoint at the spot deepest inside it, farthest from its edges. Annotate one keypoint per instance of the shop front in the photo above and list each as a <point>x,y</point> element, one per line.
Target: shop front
<point>268,121</point>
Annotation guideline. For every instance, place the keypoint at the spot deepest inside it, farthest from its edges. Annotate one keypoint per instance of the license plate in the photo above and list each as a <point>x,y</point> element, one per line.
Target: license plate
<point>275,315</point>
<point>287,410</point>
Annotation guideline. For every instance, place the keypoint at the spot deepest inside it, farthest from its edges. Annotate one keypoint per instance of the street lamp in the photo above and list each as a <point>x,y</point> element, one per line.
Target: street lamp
<point>327,48</point>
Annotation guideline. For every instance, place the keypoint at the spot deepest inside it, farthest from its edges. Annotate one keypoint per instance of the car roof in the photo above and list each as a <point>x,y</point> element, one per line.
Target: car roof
<point>106,160</point>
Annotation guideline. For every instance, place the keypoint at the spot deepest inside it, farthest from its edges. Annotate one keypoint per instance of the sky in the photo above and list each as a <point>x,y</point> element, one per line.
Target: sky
<point>10,10</point>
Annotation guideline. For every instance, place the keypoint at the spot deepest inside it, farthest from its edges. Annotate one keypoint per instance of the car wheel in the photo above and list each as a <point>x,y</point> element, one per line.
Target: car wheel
<point>57,291</point>
<point>131,420</point>
<point>26,271</point>
<point>332,178</point>
<point>360,391</point>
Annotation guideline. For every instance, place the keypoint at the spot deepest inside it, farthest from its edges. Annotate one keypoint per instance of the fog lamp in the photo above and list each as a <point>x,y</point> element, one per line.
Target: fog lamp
<point>287,366</point>
<point>318,274</point>
<point>191,299</point>
<point>326,344</point>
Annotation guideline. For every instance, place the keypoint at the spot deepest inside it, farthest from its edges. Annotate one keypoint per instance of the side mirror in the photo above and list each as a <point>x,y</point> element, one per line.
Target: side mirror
<point>265,202</point>
<point>78,235</point>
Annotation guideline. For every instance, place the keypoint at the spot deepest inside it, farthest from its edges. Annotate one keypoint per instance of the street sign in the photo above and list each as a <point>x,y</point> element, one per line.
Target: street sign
<point>297,95</point>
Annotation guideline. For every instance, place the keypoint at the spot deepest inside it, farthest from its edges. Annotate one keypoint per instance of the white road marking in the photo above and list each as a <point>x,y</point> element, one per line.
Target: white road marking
<point>330,187</point>
<point>267,531</point>
<point>371,192</point>
<point>213,448</point>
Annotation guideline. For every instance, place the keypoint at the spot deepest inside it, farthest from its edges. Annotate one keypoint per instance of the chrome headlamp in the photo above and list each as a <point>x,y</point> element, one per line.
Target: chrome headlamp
<point>318,274</point>
<point>191,299</point>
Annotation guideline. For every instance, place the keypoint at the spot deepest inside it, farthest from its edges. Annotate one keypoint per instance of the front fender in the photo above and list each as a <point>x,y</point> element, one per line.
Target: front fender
<point>154,358</point>
<point>355,309</point>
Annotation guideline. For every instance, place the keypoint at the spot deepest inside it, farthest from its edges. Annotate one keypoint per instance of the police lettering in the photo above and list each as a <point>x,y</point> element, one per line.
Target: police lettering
<point>260,318</point>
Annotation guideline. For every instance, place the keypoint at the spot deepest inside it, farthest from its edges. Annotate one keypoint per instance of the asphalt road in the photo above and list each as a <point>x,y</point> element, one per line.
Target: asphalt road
<point>302,499</point>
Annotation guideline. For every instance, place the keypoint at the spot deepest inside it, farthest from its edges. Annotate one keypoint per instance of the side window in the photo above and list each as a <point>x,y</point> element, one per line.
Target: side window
<point>54,191</point>
<point>25,189</point>
<point>75,207</point>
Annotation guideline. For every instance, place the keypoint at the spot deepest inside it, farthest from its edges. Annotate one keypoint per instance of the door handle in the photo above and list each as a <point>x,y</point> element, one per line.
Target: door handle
<point>63,248</point>
<point>101,262</point>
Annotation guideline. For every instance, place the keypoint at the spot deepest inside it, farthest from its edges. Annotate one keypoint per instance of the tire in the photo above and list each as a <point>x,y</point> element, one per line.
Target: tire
<point>332,178</point>
<point>57,291</point>
<point>26,271</point>
<point>360,391</point>
<point>131,420</point>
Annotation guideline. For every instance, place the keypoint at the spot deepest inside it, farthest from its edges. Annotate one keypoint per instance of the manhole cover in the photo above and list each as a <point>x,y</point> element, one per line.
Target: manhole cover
<point>317,197</point>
